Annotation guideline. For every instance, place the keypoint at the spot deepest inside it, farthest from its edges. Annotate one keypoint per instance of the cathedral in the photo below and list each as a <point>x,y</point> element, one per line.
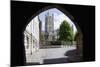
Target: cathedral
<point>49,27</point>
<point>49,35</point>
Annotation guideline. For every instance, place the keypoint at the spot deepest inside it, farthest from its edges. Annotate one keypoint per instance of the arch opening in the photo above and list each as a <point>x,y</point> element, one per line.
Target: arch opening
<point>52,30</point>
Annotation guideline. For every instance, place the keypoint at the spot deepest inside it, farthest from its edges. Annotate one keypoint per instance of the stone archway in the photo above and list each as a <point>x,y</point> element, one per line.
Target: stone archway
<point>78,36</point>
<point>20,17</point>
<point>79,43</point>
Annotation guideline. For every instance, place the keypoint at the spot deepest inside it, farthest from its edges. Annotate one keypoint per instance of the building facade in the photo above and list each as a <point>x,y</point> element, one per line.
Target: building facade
<point>31,36</point>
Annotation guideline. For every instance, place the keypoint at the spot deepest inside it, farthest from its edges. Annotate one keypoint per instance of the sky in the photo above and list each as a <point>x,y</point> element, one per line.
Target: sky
<point>58,18</point>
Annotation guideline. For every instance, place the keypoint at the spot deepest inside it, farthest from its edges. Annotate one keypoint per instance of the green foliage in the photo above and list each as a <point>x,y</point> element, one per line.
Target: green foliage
<point>65,32</point>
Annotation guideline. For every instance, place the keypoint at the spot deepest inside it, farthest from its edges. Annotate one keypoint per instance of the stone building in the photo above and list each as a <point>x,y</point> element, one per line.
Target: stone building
<point>31,36</point>
<point>49,27</point>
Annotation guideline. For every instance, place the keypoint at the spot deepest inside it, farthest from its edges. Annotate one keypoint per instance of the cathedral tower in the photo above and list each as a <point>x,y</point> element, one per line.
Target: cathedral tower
<point>49,27</point>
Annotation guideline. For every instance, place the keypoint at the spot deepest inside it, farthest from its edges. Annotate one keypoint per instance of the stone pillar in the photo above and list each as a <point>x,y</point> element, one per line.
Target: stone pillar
<point>79,44</point>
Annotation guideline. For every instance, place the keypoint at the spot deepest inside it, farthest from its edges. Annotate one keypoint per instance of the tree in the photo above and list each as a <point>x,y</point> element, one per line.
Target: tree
<point>65,32</point>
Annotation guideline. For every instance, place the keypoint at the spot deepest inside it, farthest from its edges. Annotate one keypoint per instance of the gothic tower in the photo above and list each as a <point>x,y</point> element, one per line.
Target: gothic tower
<point>49,27</point>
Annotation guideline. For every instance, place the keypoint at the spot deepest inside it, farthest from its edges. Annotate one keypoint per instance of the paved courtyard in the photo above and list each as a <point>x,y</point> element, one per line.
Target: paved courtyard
<point>42,55</point>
